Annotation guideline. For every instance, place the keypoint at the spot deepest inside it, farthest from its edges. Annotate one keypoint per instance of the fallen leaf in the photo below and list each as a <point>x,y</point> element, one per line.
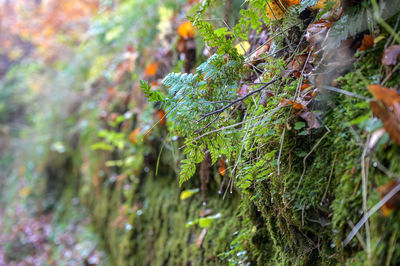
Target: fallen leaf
<point>390,55</point>
<point>151,69</point>
<point>298,106</point>
<point>276,8</point>
<point>284,102</point>
<point>222,167</point>
<point>379,38</point>
<point>186,30</point>
<point>304,87</point>
<point>390,122</point>
<point>393,202</point>
<point>323,3</point>
<point>188,193</point>
<point>311,119</point>
<point>161,117</point>
<point>288,3</point>
<point>388,96</point>
<point>367,43</point>
<point>133,136</point>
<point>242,47</point>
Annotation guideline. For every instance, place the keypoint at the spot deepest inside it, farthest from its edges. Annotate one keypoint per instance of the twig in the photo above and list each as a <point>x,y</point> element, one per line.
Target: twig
<point>358,235</point>
<point>390,74</point>
<point>364,175</point>
<point>227,187</point>
<point>280,148</point>
<point>348,93</point>
<point>219,111</point>
<point>370,212</point>
<point>227,127</point>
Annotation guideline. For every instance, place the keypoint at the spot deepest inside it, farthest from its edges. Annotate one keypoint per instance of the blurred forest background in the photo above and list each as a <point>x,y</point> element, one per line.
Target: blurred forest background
<point>188,132</point>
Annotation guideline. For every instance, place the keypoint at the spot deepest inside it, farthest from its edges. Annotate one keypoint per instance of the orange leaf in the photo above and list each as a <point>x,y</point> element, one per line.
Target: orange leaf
<point>388,96</point>
<point>276,9</point>
<point>393,202</point>
<point>387,109</point>
<point>222,167</point>
<point>389,120</point>
<point>298,106</point>
<point>322,4</point>
<point>386,211</point>
<point>304,86</point>
<point>151,69</point>
<point>133,136</point>
<point>285,102</point>
<point>186,30</point>
<point>367,43</point>
<point>160,116</point>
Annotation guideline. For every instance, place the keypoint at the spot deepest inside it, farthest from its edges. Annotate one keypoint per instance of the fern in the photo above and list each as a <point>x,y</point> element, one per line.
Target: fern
<point>188,168</point>
<point>190,95</point>
<point>194,154</point>
<point>250,18</point>
<point>220,38</point>
<point>205,4</point>
<point>152,96</point>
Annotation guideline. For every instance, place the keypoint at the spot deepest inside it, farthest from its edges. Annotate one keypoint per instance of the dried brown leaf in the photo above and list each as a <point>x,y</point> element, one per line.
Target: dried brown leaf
<point>311,119</point>
<point>390,122</point>
<point>393,202</point>
<point>367,43</point>
<point>390,55</point>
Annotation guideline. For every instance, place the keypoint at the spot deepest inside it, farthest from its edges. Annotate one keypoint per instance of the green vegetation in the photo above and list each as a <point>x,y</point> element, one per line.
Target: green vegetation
<point>246,140</point>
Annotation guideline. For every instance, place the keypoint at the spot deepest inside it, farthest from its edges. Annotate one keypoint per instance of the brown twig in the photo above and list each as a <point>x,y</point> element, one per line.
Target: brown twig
<point>220,110</point>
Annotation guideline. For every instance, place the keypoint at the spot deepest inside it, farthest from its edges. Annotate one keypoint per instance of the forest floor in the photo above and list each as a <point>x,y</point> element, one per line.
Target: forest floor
<point>45,237</point>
